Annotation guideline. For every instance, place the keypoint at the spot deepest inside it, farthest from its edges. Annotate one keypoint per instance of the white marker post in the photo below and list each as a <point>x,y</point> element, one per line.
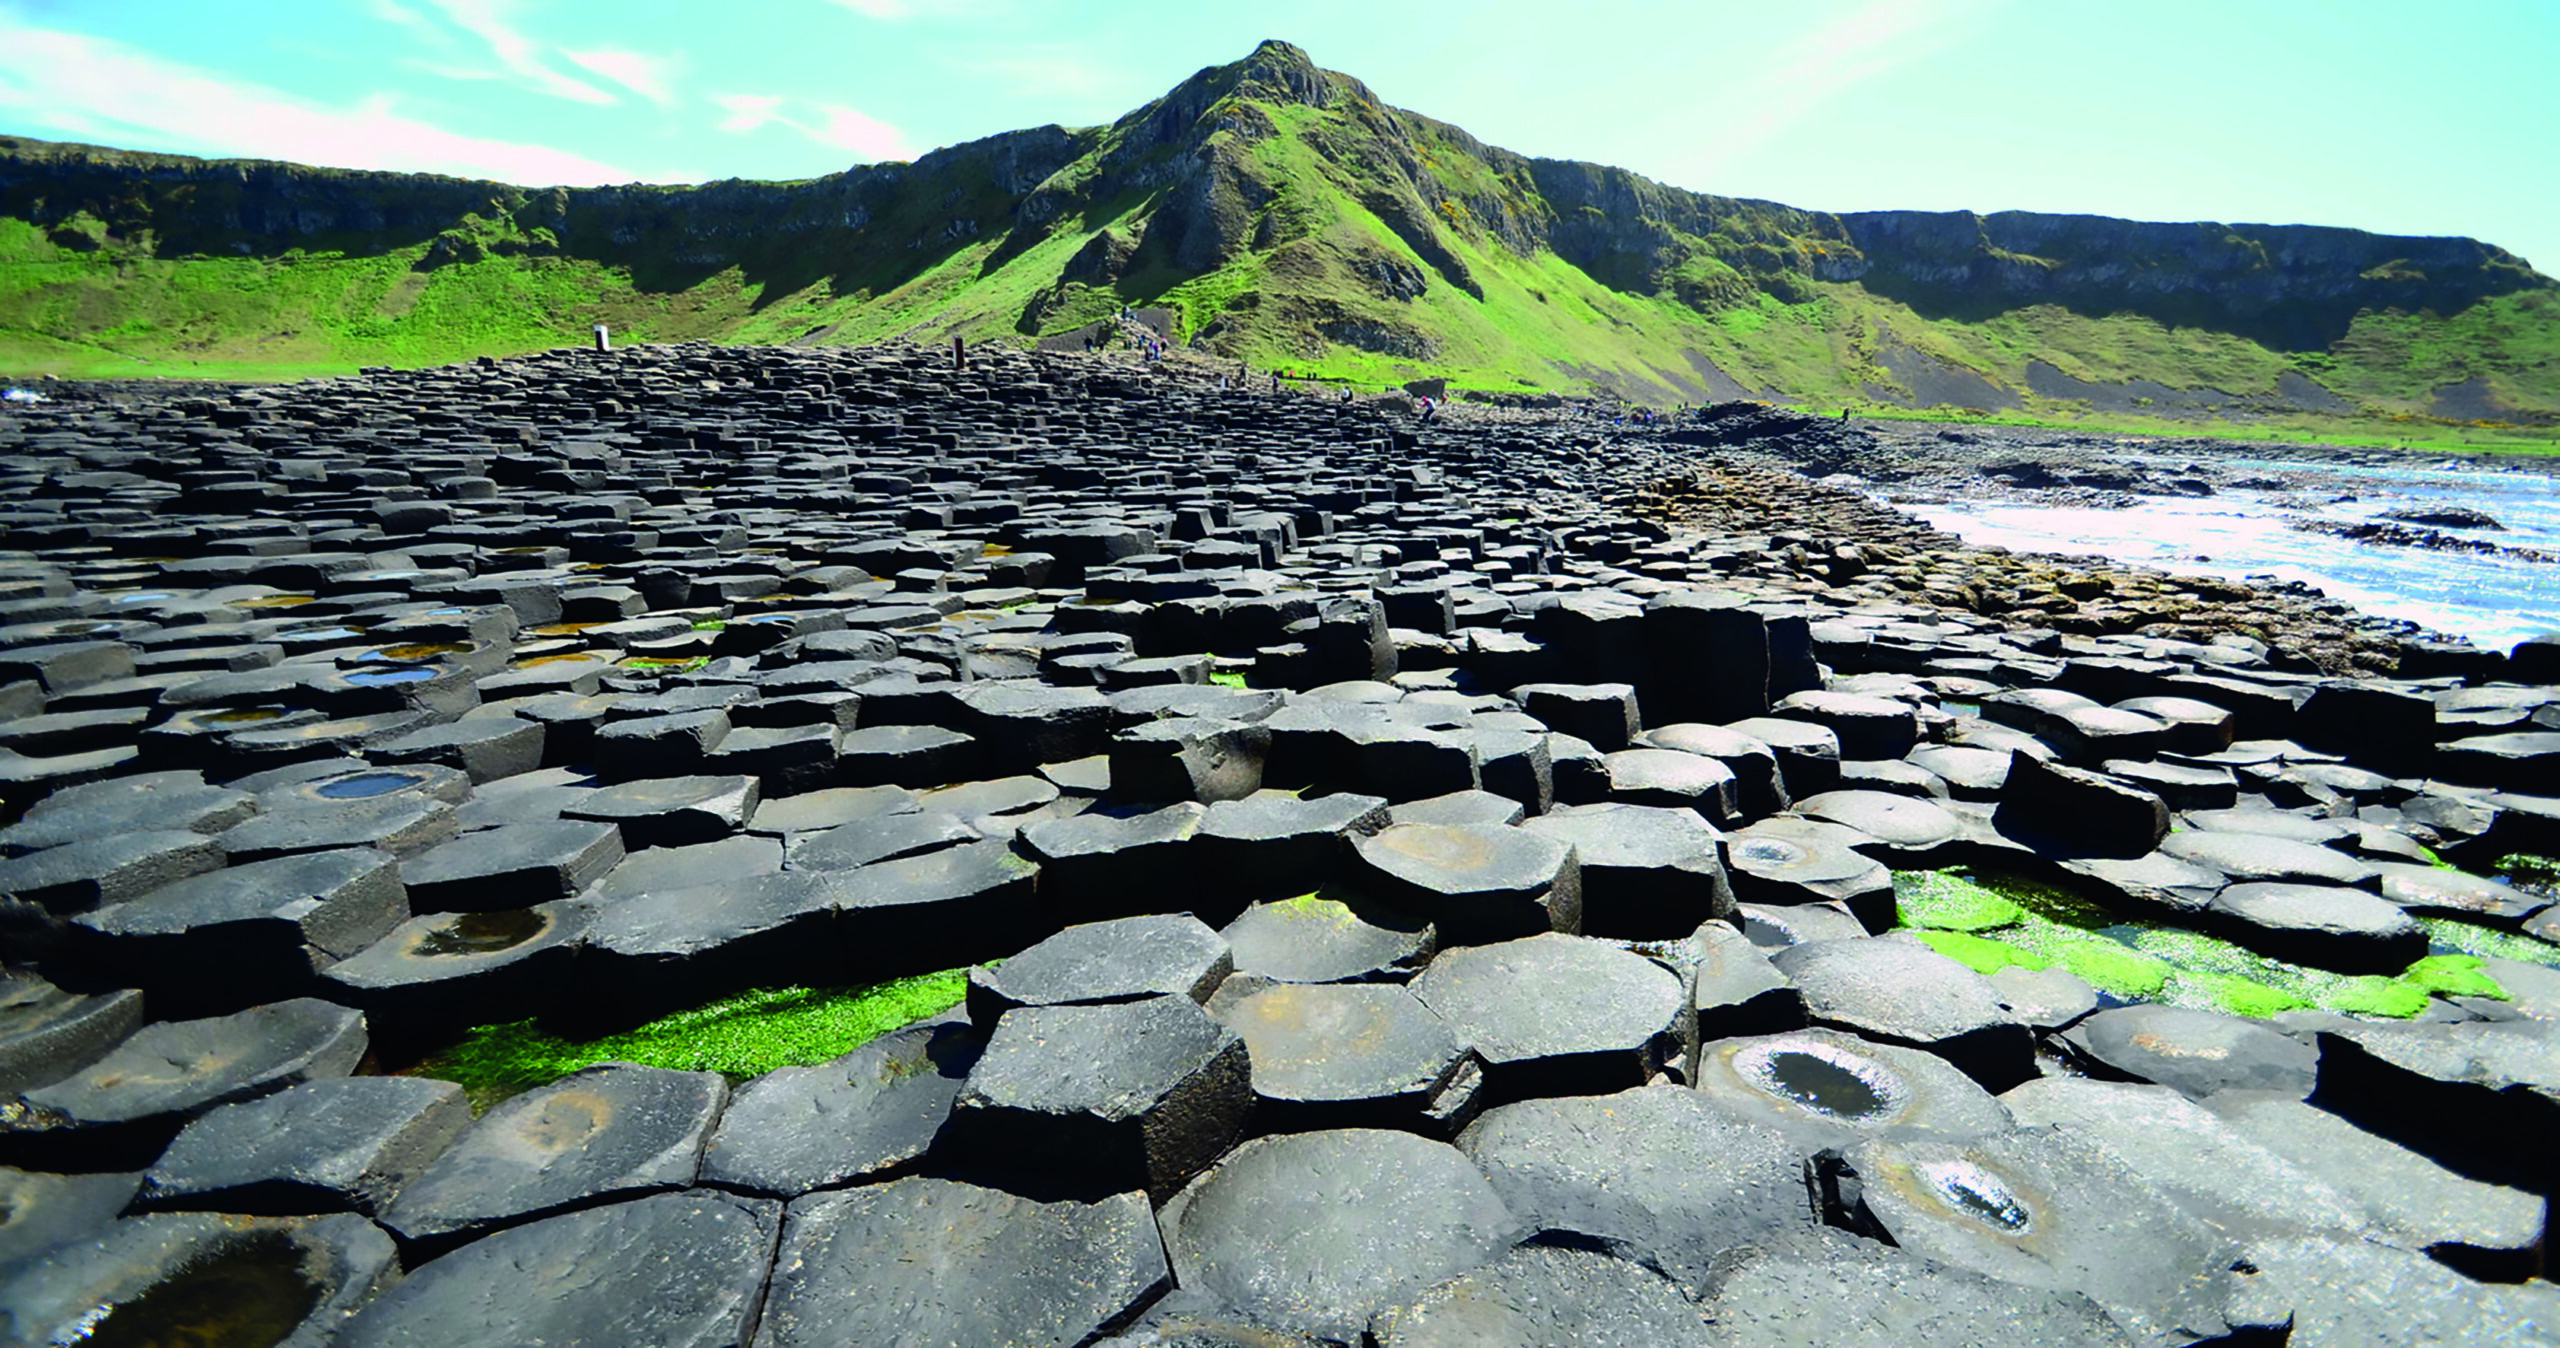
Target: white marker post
<point>604,339</point>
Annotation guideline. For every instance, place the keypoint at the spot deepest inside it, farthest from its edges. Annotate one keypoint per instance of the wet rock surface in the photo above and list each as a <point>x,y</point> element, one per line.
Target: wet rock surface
<point>1423,883</point>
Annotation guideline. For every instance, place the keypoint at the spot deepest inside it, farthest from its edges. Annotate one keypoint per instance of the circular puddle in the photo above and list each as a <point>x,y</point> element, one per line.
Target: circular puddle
<point>366,785</point>
<point>483,933</point>
<point>374,678</point>
<point>1977,1193</point>
<point>1827,1080</point>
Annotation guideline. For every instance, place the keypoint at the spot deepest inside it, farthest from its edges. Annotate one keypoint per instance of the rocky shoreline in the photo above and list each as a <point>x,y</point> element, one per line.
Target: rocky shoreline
<point>1520,877</point>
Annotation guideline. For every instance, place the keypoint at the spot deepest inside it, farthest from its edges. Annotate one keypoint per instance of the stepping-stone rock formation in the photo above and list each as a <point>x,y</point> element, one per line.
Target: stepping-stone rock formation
<point>1413,882</point>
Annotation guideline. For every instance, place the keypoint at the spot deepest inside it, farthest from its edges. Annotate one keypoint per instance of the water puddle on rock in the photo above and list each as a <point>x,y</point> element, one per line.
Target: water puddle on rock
<point>366,785</point>
<point>1977,1193</point>
<point>252,1293</point>
<point>483,933</point>
<point>1823,1080</point>
<point>245,716</point>
<point>376,678</point>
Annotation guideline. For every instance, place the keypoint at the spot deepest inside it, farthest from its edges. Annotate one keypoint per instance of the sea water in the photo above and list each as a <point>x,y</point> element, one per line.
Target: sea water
<point>2246,532</point>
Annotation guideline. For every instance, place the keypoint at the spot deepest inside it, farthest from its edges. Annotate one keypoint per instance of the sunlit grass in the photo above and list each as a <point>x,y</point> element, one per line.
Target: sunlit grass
<point>739,1037</point>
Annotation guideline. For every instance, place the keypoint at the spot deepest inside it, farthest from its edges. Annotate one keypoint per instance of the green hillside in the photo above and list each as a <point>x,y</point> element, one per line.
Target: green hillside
<point>1288,219</point>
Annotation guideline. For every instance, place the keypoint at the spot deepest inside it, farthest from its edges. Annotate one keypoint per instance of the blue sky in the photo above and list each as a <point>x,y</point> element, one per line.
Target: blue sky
<point>2405,118</point>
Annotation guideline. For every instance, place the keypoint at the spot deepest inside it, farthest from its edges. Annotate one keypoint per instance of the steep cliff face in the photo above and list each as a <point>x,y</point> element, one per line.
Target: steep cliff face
<point>1283,214</point>
<point>170,206</point>
<point>2298,286</point>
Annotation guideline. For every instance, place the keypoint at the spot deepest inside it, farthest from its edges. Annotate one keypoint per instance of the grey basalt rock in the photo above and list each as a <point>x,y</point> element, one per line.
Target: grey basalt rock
<point>1117,961</point>
<point>1758,789</point>
<point>2488,1231</point>
<point>291,1282</point>
<point>1317,1232</point>
<point>1097,866</point>
<point>246,933</point>
<point>1902,992</point>
<point>401,825</point>
<point>47,1033</point>
<point>1905,829</point>
<point>854,1118</point>
<point>2346,1291</point>
<point>342,1145</point>
<point>2041,1209</point>
<point>1099,1099</point>
<point>1316,938</point>
<point>171,1071</point>
<point>88,873</point>
<point>1555,1014</point>
<point>2329,926</point>
<point>611,1131</point>
<point>1658,1174</point>
<point>1867,727</point>
<point>2208,1168</point>
<point>1829,1089</point>
<point>1350,1055</point>
<point>1273,845</point>
<point>660,950</point>
<point>442,971</point>
<point>672,811</point>
<point>1831,1290</point>
<point>686,1270</point>
<point>1007,1269</point>
<point>39,1210</point>
<point>1648,873</point>
<point>962,904</point>
<point>2472,1095</point>
<point>2195,1052</point>
<point>2075,812</point>
<point>1536,1296</point>
<point>1474,884</point>
<point>1669,779</point>
<point>514,866</point>
<point>1736,991</point>
<point>1482,809</point>
<point>2246,857</point>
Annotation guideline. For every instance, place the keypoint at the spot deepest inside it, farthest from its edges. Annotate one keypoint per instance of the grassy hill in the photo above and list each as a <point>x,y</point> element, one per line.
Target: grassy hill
<point>1288,219</point>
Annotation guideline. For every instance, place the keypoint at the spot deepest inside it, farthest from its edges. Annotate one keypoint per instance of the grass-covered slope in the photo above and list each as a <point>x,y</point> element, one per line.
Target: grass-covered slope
<point>1289,219</point>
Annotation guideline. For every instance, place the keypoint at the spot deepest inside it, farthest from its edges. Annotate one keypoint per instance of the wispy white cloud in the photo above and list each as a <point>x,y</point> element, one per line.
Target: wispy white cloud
<point>518,56</point>
<point>826,123</point>
<point>1829,59</point>
<point>748,112</point>
<point>104,90</point>
<point>651,77</point>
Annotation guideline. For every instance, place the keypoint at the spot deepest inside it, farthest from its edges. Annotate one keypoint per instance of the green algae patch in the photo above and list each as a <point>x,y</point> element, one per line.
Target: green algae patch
<point>2453,936</point>
<point>2237,995</point>
<point>1227,679</point>
<point>2529,870</point>
<point>739,1037</point>
<point>1989,920</point>
<point>2455,976</point>
<point>2108,965</point>
<point>2375,995</point>
<point>1951,901</point>
<point>1979,954</point>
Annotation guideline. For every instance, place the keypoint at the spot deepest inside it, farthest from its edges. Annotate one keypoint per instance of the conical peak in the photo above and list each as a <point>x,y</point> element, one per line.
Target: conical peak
<point>1282,70</point>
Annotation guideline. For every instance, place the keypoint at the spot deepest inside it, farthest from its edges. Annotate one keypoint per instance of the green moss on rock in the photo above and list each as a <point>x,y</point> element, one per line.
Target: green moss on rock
<point>1990,920</point>
<point>1979,954</point>
<point>739,1037</point>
